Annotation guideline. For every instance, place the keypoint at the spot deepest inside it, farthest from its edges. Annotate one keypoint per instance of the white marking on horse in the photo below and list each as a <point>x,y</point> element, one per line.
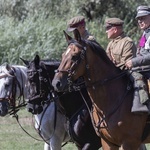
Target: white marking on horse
<point>67,51</point>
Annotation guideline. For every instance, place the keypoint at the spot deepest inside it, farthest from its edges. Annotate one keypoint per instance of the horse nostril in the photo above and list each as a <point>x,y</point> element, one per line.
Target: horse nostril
<point>30,110</point>
<point>58,84</point>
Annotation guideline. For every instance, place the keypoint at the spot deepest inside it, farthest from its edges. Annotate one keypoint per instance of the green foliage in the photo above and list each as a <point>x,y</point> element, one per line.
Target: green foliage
<point>25,39</point>
<point>28,27</point>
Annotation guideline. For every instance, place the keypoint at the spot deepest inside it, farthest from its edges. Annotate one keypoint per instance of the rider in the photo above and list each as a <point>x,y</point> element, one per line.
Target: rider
<point>141,63</point>
<point>121,49</point>
<point>79,23</point>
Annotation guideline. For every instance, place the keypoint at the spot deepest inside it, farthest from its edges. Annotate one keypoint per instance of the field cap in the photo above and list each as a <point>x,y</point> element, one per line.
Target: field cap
<point>75,22</point>
<point>143,11</point>
<point>111,22</point>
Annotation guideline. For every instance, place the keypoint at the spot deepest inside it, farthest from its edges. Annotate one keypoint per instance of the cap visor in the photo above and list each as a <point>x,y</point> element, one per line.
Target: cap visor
<point>70,29</point>
<point>141,15</point>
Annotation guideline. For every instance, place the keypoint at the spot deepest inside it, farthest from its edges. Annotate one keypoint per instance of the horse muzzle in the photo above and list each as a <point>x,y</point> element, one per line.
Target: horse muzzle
<point>4,106</point>
<point>60,85</point>
<point>34,108</point>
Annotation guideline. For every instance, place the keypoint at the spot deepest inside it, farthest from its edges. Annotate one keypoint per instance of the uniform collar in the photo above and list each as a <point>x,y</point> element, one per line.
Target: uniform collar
<point>147,30</point>
<point>119,37</point>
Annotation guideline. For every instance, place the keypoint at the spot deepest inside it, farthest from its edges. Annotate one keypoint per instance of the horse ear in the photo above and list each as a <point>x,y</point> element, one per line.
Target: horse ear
<point>25,61</point>
<point>8,67</point>
<point>68,38</point>
<point>37,59</point>
<point>77,35</point>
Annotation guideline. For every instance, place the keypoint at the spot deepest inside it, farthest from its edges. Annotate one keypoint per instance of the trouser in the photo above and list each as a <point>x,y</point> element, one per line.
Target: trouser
<point>140,86</point>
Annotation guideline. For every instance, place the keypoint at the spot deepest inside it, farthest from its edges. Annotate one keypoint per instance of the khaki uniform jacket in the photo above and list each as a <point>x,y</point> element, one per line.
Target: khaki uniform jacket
<point>120,50</point>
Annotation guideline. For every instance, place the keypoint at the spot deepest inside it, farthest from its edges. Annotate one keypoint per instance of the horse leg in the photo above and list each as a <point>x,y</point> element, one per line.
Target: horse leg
<point>55,144</point>
<point>46,146</point>
<point>108,146</point>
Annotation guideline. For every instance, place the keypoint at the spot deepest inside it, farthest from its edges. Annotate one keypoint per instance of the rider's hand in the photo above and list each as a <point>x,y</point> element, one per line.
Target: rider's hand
<point>129,64</point>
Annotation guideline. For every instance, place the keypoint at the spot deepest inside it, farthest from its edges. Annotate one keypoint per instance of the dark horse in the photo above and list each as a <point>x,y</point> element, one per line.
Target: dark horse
<point>110,93</point>
<point>80,128</point>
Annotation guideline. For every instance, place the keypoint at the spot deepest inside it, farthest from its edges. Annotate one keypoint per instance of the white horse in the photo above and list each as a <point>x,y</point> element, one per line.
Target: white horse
<point>13,85</point>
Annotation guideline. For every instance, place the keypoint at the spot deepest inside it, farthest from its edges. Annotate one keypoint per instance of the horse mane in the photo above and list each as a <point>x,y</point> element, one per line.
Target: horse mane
<point>98,50</point>
<point>4,69</point>
<point>50,62</point>
<point>50,65</point>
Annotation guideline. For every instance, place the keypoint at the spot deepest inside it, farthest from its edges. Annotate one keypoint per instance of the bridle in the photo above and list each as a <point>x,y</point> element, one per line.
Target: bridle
<point>71,85</point>
<point>45,92</point>
<point>71,71</point>
<point>11,98</point>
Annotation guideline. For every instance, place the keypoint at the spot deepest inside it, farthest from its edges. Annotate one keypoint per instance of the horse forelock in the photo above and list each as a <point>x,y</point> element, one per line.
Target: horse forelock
<point>50,62</point>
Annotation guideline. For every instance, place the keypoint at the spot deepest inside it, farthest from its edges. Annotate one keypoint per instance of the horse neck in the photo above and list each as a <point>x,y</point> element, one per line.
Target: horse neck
<point>71,102</point>
<point>46,115</point>
<point>51,69</point>
<point>21,75</point>
<point>103,94</point>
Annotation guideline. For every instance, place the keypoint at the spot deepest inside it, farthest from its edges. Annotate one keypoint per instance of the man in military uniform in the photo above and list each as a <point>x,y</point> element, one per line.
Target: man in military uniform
<point>141,63</point>
<point>79,23</point>
<point>120,50</point>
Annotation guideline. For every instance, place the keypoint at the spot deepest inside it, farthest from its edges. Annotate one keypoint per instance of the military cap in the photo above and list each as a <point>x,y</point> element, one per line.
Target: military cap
<point>143,11</point>
<point>75,22</point>
<point>114,21</point>
<point>110,22</point>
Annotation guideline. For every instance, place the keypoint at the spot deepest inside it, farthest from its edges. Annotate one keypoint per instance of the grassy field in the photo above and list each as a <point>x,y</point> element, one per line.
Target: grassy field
<point>12,137</point>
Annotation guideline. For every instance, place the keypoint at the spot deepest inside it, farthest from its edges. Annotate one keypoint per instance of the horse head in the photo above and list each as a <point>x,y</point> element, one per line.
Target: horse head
<point>12,85</point>
<point>39,85</point>
<point>72,64</point>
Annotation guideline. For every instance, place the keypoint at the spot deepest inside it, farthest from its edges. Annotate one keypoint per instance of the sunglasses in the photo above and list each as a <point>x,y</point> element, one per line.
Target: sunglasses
<point>108,27</point>
<point>142,18</point>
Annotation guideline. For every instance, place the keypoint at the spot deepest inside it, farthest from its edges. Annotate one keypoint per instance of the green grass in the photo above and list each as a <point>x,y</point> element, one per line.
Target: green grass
<point>12,137</point>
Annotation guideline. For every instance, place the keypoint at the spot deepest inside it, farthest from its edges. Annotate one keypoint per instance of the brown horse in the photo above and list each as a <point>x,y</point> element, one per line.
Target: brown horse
<point>110,91</point>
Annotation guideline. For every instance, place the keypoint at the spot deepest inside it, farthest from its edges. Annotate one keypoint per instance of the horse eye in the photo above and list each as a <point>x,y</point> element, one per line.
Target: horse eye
<point>75,57</point>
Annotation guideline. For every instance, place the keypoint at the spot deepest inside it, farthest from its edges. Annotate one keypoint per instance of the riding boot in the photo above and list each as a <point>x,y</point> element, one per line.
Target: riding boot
<point>140,96</point>
<point>139,83</point>
<point>143,92</point>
